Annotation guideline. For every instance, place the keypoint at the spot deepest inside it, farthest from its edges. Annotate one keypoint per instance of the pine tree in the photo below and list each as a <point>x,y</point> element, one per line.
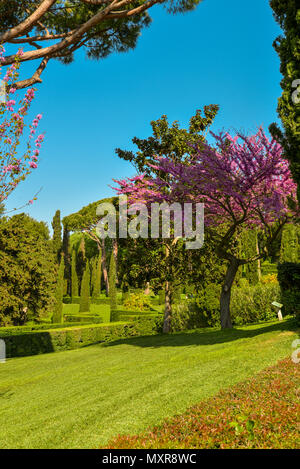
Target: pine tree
<point>74,277</point>
<point>112,283</point>
<point>85,290</point>
<point>289,244</point>
<point>58,308</point>
<point>57,241</point>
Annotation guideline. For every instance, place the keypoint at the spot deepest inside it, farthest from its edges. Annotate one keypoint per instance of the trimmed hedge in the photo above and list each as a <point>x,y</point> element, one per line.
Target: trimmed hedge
<point>16,330</point>
<point>83,318</point>
<point>53,340</point>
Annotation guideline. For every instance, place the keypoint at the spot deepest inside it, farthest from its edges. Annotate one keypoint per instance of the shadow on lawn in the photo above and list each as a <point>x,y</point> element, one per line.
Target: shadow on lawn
<point>204,337</point>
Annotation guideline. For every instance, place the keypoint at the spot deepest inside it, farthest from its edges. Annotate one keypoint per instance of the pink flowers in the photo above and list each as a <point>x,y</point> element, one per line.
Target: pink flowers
<point>14,169</point>
<point>241,180</point>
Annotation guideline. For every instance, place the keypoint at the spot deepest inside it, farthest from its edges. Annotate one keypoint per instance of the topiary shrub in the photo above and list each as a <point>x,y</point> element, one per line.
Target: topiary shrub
<point>137,302</point>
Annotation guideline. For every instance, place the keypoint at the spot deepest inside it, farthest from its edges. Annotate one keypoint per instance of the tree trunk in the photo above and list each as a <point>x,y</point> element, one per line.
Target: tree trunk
<point>168,309</point>
<point>226,293</point>
<point>104,267</point>
<point>115,251</point>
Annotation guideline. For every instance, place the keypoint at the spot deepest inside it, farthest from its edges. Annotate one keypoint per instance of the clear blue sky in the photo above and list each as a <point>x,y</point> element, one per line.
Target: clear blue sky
<point>220,53</point>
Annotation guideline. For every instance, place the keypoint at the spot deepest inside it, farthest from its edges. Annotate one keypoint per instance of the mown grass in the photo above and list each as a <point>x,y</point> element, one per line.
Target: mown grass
<point>259,413</point>
<point>83,398</point>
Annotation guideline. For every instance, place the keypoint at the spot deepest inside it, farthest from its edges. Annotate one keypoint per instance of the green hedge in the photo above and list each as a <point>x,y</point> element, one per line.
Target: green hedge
<point>13,330</point>
<point>54,340</point>
<point>83,318</point>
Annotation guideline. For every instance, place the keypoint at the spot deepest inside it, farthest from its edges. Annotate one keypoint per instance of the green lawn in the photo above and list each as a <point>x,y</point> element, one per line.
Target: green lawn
<point>82,398</point>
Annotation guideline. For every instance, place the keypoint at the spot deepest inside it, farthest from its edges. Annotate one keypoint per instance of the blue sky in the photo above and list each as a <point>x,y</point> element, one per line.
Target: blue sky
<point>220,53</point>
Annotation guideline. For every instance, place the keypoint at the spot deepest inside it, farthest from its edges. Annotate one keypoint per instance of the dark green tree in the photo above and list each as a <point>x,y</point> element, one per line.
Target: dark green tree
<point>57,241</point>
<point>27,270</point>
<point>67,259</point>
<point>96,277</point>
<point>289,244</point>
<point>85,290</point>
<point>74,277</point>
<point>286,13</point>
<point>112,283</point>
<point>59,293</point>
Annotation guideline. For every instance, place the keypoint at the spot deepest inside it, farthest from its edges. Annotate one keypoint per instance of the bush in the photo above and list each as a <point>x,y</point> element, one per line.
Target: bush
<point>289,280</point>
<point>249,304</point>
<point>254,304</point>
<point>207,303</point>
<point>137,302</point>
<point>186,316</point>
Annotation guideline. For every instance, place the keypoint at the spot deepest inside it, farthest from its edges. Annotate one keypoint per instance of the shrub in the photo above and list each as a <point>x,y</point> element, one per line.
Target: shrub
<point>186,316</point>
<point>137,302</point>
<point>289,280</point>
<point>249,304</point>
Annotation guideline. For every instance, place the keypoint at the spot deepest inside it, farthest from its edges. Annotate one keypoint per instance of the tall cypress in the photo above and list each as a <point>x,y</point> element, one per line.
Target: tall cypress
<point>74,277</point>
<point>58,308</point>
<point>96,277</point>
<point>66,253</point>
<point>85,290</point>
<point>112,283</point>
<point>289,244</point>
<point>57,240</point>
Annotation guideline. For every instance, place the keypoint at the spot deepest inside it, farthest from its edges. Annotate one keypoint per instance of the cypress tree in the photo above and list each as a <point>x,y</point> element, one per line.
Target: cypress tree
<point>289,244</point>
<point>58,308</point>
<point>81,259</point>
<point>57,241</point>
<point>74,277</point>
<point>85,290</point>
<point>112,283</point>
<point>66,253</point>
<point>96,277</point>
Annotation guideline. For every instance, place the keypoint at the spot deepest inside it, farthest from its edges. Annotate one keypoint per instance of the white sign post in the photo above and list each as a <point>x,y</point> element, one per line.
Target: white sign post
<point>278,307</point>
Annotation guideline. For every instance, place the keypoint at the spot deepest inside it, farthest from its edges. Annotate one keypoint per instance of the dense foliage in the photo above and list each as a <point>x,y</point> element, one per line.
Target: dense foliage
<point>287,14</point>
<point>27,270</point>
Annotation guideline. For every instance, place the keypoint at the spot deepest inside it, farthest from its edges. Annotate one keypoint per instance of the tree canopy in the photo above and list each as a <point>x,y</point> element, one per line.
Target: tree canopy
<point>55,29</point>
<point>287,14</point>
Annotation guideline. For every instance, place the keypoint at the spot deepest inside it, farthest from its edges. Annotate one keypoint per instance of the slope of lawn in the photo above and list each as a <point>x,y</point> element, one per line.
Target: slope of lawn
<point>83,398</point>
<point>261,412</point>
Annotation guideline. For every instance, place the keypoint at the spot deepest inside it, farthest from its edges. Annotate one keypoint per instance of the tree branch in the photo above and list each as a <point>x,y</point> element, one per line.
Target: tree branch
<point>27,24</point>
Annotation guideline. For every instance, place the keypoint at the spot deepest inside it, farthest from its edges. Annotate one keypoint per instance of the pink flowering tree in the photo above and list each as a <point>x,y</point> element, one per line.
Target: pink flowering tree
<point>244,182</point>
<point>14,168</point>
